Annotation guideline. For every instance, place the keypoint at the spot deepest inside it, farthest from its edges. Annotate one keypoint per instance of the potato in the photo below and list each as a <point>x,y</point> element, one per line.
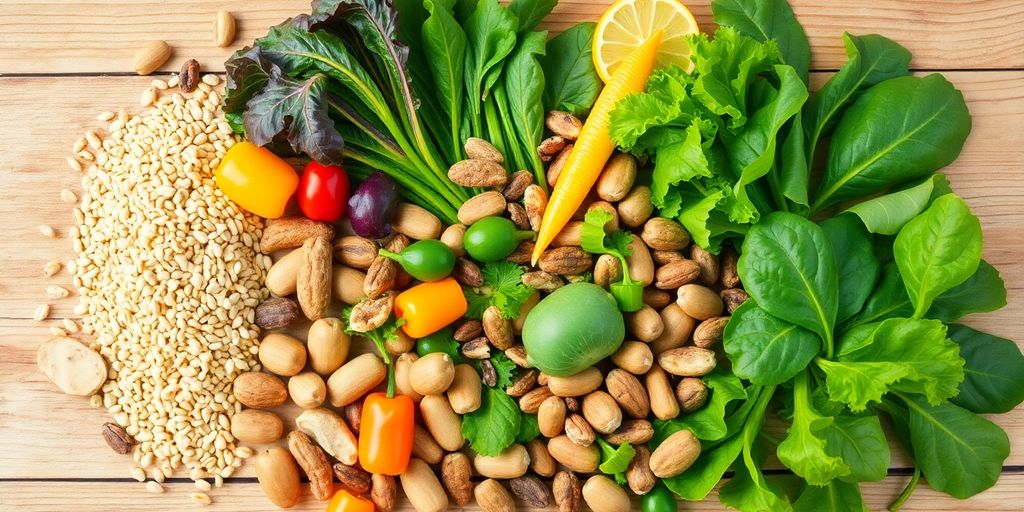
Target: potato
<point>73,367</point>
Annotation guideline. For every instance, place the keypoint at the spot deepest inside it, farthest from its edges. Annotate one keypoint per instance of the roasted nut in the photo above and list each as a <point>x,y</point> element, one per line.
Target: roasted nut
<point>678,328</point>
<point>330,432</point>
<point>530,402</point>
<point>282,354</point>
<point>665,235</point>
<point>673,275</point>
<point>523,383</point>
<point>452,237</point>
<point>550,147</point>
<point>641,266</point>
<point>491,496</point>
<point>371,313</point>
<point>355,251</point>
<point>566,488</point>
<point>634,357</point>
<point>531,491</point>
<point>422,488</point>
<point>579,384</point>
<point>692,394</point>
<point>633,431</point>
<point>535,200</point>
<point>729,273</point>
<point>468,330</point>
<point>275,313</point>
<point>284,274</point>
<point>497,328</point>
<point>478,172</point>
<point>353,414</point>
<point>425,447</point>
<point>604,495</point>
<point>442,422</point>
<point>477,348</point>
<point>582,459</point>
<point>517,213</point>
<point>563,124</point>
<point>354,478</point>
<point>659,390</point>
<point>415,222</point>
<point>617,177</point>
<point>254,426</point>
<point>517,354</point>
<point>278,476</point>
<point>541,461</point>
<point>607,270</point>
<point>464,392</point>
<point>645,324</point>
<point>709,332</point>
<point>516,186</point>
<point>708,264</point>
<point>636,207</point>
<point>307,390</point>
<point>666,257</point>
<point>639,475</point>
<point>149,58</point>
<point>602,412</point>
<point>314,463</point>
<point>568,260</point>
<point>579,431</point>
<point>381,277</point>
<point>733,298</point>
<point>117,439</point>
<point>403,370</point>
<point>613,224</point>
<point>699,302</point>
<point>354,379</point>
<point>481,205</point>
<point>291,232</point>
<point>383,492</point>
<point>432,374</point>
<point>521,254</point>
<point>510,463</point>
<point>628,392</point>
<point>223,29</point>
<point>479,148</point>
<point>456,474</point>
<point>488,374</point>
<point>313,282</point>
<point>557,164</point>
<point>656,298</point>
<point>467,273</point>
<point>688,361</point>
<point>551,416</point>
<point>347,284</point>
<point>259,390</point>
<point>675,454</point>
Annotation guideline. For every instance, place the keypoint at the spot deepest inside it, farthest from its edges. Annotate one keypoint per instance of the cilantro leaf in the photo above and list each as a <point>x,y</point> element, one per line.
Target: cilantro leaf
<point>504,368</point>
<point>494,426</point>
<point>503,288</point>
<point>593,238</point>
<point>615,461</point>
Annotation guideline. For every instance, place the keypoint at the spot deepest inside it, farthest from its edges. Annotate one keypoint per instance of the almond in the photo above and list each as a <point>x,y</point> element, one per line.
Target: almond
<point>641,266</point>
<point>188,77</point>
<point>467,273</point>
<point>477,148</point>
<point>353,477</point>
<point>708,263</point>
<point>645,324</point>
<point>275,313</point>
<point>259,390</point>
<point>456,474</point>
<point>278,476</point>
<point>497,328</point>
<point>632,431</point>
<point>659,391</point>
<point>557,164</point>
<point>616,179</point>
<point>733,298</point>
<point>566,488</point>
<point>628,392</point>
<point>604,495</point>
<point>699,302</point>
<point>253,426</point>
<point>602,412</point>
<point>579,431</point>
<point>478,172</point>
<point>664,234</point>
<point>540,280</point>
<point>292,232</point>
<point>383,492</point>
<point>675,454</point>
<point>675,274</point>
<point>531,491</point>
<point>657,299</point>
<point>729,273</point>
<point>635,357</point>
<point>516,186</point>
<point>639,475</point>
<point>678,328</point>
<point>607,270</point>
<point>522,384</point>
<point>636,207</point>
<point>568,260</point>
<point>549,147</point>
<point>551,416</point>
<point>417,223</point>
<point>530,402</point>
<point>541,461</point>
<point>481,205</point>
<point>150,57</point>
<point>688,361</point>
<point>313,284</point>
<point>582,459</point>
<point>709,332</point>
<point>535,200</point>
<point>692,394</point>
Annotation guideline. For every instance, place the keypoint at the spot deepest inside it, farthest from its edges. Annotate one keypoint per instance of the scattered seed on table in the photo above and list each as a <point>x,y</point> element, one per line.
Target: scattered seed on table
<point>70,326</point>
<point>93,140</point>
<point>203,485</point>
<point>96,401</point>
<point>41,313</point>
<point>68,196</point>
<point>138,473</point>
<point>172,81</point>
<point>85,155</point>
<point>79,145</point>
<point>154,487</point>
<point>159,84</point>
<point>57,292</point>
<point>148,97</point>
<point>74,164</point>
<point>51,268</point>
<point>47,231</point>
<point>58,331</point>
<point>105,116</point>
<point>200,498</point>
<point>211,80</point>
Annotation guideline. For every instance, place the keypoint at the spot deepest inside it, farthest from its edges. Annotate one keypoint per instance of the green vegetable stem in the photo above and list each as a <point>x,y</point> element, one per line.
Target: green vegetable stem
<point>628,293</point>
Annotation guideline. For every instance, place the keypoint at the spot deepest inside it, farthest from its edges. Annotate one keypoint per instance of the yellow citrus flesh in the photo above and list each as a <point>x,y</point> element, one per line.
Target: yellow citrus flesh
<point>627,24</point>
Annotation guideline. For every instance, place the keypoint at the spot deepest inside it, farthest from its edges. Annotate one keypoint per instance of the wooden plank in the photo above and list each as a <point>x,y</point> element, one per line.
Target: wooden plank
<point>246,495</point>
<point>41,36</point>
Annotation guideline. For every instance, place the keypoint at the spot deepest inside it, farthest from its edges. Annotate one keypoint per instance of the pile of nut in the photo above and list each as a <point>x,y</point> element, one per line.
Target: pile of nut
<point>657,372</point>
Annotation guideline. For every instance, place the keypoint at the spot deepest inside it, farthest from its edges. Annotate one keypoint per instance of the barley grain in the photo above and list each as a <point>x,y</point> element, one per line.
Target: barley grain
<point>47,231</point>
<point>68,196</point>
<point>41,313</point>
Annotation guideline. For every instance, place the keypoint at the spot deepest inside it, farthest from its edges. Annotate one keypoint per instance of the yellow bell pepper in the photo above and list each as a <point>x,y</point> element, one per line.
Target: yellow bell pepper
<point>429,307</point>
<point>256,179</point>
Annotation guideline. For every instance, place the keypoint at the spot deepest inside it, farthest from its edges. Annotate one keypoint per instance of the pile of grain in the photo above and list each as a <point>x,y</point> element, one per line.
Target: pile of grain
<point>169,272</point>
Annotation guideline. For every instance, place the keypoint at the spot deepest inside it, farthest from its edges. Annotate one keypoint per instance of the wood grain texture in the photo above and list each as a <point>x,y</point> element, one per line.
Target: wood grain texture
<point>42,36</point>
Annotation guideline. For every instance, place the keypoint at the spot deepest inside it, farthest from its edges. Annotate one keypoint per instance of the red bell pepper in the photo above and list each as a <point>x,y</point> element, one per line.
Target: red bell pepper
<point>323,192</point>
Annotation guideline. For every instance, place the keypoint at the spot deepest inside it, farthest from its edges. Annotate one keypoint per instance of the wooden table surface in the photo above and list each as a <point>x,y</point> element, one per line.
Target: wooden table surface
<point>62,62</point>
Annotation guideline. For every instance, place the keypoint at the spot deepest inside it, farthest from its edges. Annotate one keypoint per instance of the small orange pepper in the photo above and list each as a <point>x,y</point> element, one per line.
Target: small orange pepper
<point>429,307</point>
<point>256,179</point>
<point>386,433</point>
<point>344,501</point>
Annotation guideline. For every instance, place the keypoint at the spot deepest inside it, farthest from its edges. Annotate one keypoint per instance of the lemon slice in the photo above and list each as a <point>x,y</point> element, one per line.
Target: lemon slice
<point>628,23</point>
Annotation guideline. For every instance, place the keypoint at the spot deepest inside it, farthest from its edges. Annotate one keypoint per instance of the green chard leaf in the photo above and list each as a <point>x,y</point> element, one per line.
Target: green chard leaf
<point>804,448</point>
<point>835,496</point>
<point>491,34</point>
<point>525,78</point>
<point>495,425</point>
<point>748,489</point>
<point>959,452</point>
<point>788,267</point>
<point>764,349</point>
<point>301,108</point>
<point>993,372</point>
<point>898,354</point>
<point>571,82</point>
<point>794,166</point>
<point>984,291</point>
<point>855,260</point>
<point>768,20</point>
<point>444,47</point>
<point>900,130</point>
<point>938,250</point>
<point>870,59</point>
<point>887,214</point>
<point>531,12</point>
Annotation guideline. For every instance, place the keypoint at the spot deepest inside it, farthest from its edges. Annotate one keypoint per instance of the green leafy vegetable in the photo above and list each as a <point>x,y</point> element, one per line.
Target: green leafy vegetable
<point>529,429</point>
<point>444,46</point>
<point>861,443</point>
<point>502,288</point>
<point>993,371</point>
<point>531,12</point>
<point>984,291</point>
<point>495,425</point>
<point>615,460</point>
<point>887,214</point>
<point>504,370</point>
<point>887,300</point>
<point>571,83</point>
<point>804,448</point>
<point>938,250</point>
<point>764,349</point>
<point>525,78</point>
<point>835,496</point>
<point>491,33</point>
<point>768,20</point>
<point>855,261</point>
<point>708,423</point>
<point>628,293</point>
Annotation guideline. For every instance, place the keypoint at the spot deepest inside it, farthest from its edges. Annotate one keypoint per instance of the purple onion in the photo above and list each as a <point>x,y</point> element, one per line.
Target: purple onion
<point>372,205</point>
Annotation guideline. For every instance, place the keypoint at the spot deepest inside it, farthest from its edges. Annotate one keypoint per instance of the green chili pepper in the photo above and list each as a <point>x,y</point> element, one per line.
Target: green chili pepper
<point>426,260</point>
<point>493,238</point>
<point>440,341</point>
<point>660,499</point>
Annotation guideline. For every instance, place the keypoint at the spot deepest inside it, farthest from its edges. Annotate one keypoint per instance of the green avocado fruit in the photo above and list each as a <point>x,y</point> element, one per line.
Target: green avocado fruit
<point>572,329</point>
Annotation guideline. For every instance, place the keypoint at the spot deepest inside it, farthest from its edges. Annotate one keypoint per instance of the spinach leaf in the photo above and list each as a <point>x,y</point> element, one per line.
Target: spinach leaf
<point>764,349</point>
<point>861,443</point>
<point>959,452</point>
<point>531,12</point>
<point>804,449</point>
<point>887,214</point>
<point>768,20</point>
<point>855,261</point>
<point>888,300</point>
<point>491,35</point>
<point>899,130</point>
<point>524,77</point>
<point>938,250</point>
<point>301,106</point>
<point>993,371</point>
<point>571,82</point>
<point>495,425</point>
<point>749,489</point>
<point>709,422</point>
<point>898,354</point>
<point>794,167</point>
<point>444,48</point>
<point>787,266</point>
<point>835,496</point>
<point>697,482</point>
<point>870,59</point>
<point>984,291</point>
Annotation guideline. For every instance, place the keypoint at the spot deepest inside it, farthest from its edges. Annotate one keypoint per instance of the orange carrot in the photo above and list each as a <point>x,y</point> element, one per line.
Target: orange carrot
<point>594,145</point>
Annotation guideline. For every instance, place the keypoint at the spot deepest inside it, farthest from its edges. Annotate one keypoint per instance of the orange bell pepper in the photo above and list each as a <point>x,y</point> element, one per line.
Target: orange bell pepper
<point>386,433</point>
<point>344,501</point>
<point>256,179</point>
<point>429,307</point>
